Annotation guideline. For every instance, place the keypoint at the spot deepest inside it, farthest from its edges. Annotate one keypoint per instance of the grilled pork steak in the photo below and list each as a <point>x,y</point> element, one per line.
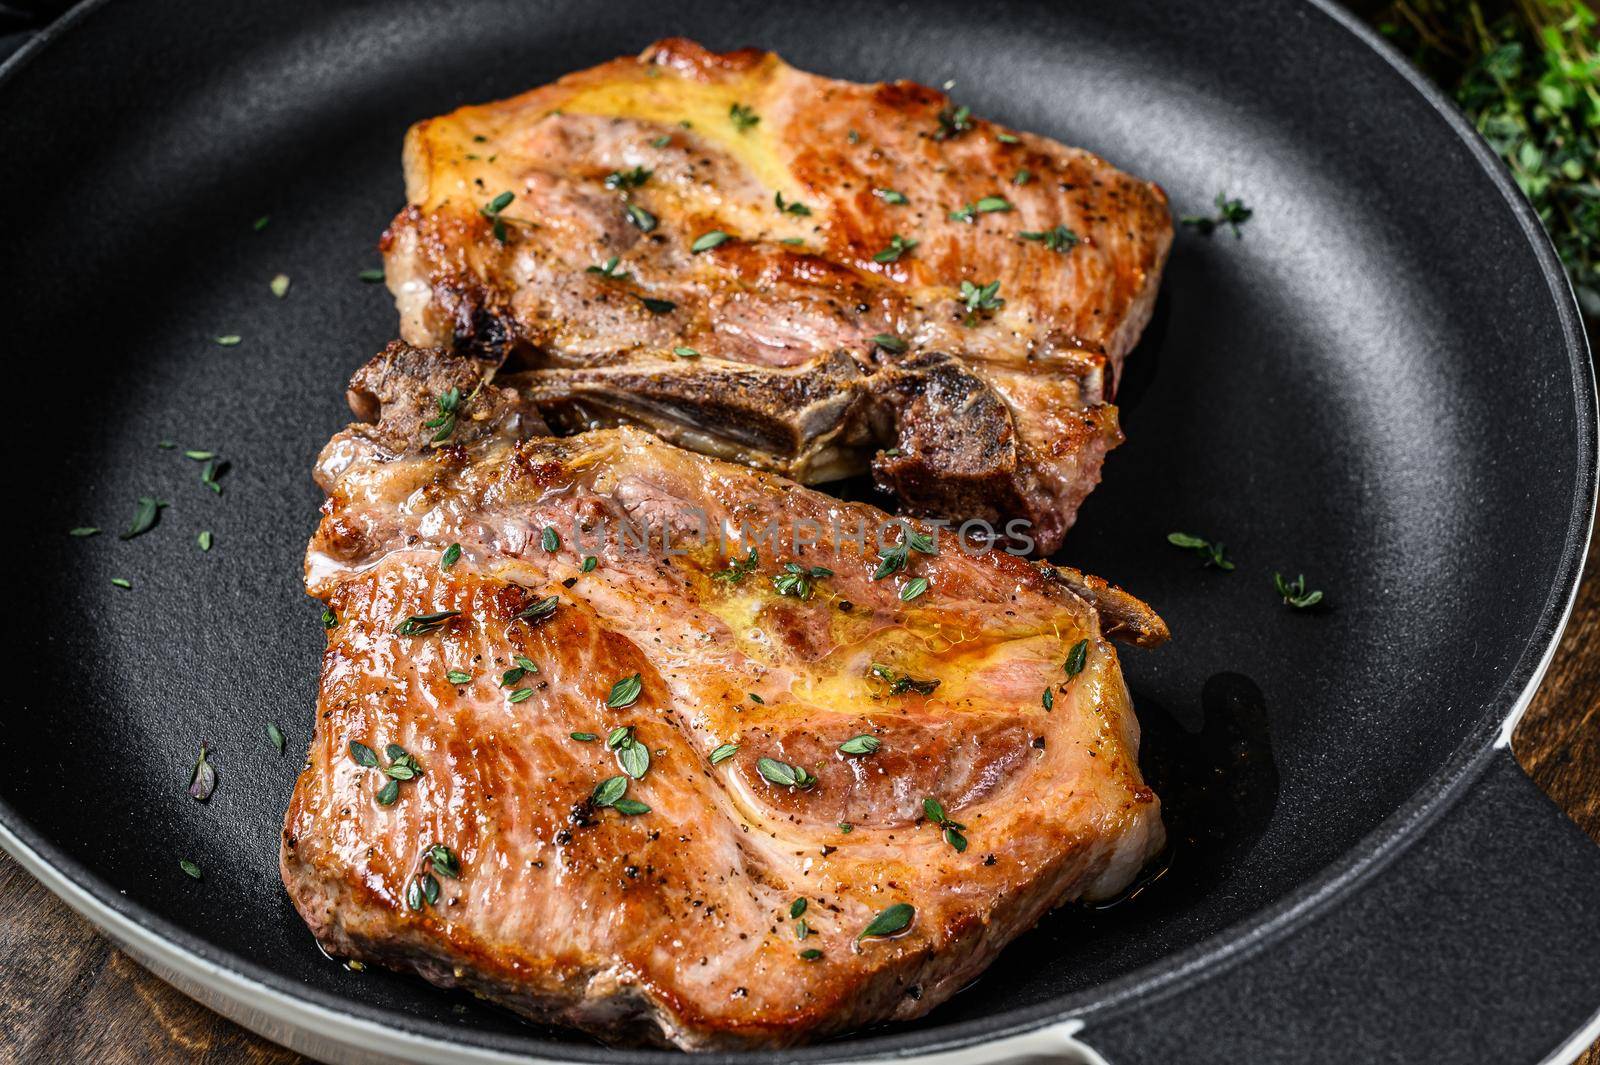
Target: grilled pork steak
<point>797,273</point>
<point>683,795</point>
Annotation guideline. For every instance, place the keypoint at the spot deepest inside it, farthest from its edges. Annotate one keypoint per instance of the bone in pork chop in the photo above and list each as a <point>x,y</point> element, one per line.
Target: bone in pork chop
<point>694,797</point>
<point>805,275</point>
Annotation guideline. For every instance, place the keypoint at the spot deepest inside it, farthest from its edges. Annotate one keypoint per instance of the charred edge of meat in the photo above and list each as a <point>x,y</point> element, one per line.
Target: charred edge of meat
<point>1123,617</point>
<point>790,415</point>
<point>953,447</point>
<point>481,325</point>
<point>401,393</point>
<point>956,441</point>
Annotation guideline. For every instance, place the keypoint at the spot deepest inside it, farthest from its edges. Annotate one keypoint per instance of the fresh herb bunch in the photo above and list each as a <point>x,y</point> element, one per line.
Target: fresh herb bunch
<point>1527,73</point>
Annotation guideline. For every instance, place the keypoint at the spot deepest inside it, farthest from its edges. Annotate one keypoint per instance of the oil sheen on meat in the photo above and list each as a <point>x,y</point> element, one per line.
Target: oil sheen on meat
<point>810,276</point>
<point>709,900</point>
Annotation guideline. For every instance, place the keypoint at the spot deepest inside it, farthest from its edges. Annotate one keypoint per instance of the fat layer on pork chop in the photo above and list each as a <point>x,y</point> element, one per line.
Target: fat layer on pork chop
<point>811,276</point>
<point>582,761</point>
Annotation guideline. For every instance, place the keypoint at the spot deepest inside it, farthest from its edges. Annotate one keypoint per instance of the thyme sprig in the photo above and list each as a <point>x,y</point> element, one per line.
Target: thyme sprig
<point>1231,212</point>
<point>1528,76</point>
<point>1294,592</point>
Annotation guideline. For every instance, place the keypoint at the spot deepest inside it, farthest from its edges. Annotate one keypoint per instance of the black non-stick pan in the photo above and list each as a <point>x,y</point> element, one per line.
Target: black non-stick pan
<point>1382,384</point>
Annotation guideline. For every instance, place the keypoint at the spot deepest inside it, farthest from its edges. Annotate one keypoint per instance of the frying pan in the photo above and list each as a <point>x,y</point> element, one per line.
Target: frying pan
<point>1382,384</point>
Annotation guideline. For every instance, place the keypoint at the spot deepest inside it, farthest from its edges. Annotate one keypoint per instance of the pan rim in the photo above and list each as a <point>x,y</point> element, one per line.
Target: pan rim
<point>251,983</point>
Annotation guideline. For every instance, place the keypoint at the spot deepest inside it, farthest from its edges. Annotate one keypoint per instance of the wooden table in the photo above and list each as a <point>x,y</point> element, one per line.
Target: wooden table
<point>69,995</point>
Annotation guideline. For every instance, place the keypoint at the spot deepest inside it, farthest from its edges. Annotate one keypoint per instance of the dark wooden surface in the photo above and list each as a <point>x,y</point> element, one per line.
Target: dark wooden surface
<point>66,994</point>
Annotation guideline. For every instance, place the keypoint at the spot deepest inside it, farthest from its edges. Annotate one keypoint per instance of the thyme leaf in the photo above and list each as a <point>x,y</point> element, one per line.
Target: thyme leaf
<point>737,569</point>
<point>1058,239</point>
<point>797,580</point>
<point>625,692</point>
<point>898,246</point>
<point>799,210</point>
<point>707,241</point>
<point>144,519</point>
<point>1294,592</point>
<point>1210,553</point>
<point>423,624</point>
<point>539,610</point>
<point>896,918</point>
<point>1230,212</point>
<point>784,774</point>
<point>953,121</point>
<point>862,744</point>
<point>1077,658</point>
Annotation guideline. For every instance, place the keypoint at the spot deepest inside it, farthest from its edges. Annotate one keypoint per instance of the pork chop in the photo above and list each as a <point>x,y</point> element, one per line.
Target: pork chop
<point>671,791</point>
<point>805,275</point>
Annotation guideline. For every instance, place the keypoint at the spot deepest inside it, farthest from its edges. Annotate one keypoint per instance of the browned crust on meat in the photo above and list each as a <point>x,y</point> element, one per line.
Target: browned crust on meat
<point>688,57</point>
<point>673,926</point>
<point>787,291</point>
<point>1123,617</point>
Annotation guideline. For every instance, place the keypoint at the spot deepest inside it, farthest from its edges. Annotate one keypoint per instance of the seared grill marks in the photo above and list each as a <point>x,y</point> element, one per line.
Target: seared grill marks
<point>864,276</point>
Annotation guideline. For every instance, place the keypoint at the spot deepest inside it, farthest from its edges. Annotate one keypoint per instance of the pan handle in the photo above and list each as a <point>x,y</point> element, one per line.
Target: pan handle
<point>1478,942</point>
